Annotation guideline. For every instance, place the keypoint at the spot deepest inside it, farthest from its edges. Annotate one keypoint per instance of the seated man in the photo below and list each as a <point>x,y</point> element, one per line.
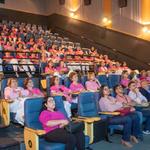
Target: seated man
<point>145,89</point>
<point>138,98</point>
<point>130,121</point>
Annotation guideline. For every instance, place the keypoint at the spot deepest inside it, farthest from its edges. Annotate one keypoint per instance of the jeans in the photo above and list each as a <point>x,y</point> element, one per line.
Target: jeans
<point>131,125</point>
<point>146,114</point>
<point>60,135</point>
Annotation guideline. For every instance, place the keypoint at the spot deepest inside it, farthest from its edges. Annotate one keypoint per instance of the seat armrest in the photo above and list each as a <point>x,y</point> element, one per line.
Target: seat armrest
<point>37,132</point>
<point>4,111</point>
<point>86,119</point>
<point>109,113</point>
<point>43,83</point>
<point>6,100</point>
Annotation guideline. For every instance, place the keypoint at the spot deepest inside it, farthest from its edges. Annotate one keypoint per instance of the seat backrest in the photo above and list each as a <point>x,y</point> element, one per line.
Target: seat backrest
<point>43,65</point>
<point>59,104</point>
<point>67,82</point>
<point>32,109</point>
<point>102,79</point>
<point>36,82</point>
<point>113,80</point>
<point>87,105</point>
<point>83,80</point>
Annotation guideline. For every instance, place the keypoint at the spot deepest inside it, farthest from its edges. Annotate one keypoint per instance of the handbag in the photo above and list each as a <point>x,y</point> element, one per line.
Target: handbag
<point>74,126</point>
<point>125,111</point>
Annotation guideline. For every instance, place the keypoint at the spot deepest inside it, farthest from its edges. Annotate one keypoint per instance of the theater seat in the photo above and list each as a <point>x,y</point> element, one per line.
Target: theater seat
<point>33,132</point>
<point>4,104</point>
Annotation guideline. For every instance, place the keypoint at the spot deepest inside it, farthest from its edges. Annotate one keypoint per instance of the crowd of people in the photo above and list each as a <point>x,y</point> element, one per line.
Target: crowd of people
<point>22,45</point>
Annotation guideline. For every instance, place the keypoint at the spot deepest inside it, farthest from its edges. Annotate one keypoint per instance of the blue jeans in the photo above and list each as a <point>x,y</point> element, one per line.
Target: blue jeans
<point>146,114</point>
<point>131,125</point>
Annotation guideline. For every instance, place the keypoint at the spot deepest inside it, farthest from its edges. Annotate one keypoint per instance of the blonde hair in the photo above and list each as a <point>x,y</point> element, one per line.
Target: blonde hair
<point>9,81</point>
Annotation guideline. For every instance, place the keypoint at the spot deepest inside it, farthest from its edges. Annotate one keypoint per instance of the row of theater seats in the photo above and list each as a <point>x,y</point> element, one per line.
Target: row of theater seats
<point>87,108</point>
<point>110,80</point>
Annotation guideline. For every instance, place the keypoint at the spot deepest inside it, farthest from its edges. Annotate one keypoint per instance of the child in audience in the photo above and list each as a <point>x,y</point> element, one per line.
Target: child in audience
<point>57,89</point>
<point>130,122</point>
<point>92,84</point>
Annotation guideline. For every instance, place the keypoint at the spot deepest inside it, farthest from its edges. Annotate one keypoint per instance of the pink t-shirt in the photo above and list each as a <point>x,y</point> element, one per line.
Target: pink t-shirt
<point>59,88</point>
<point>76,87</point>
<point>123,99</point>
<point>92,85</point>
<point>46,116</point>
<point>125,82</point>
<point>34,91</point>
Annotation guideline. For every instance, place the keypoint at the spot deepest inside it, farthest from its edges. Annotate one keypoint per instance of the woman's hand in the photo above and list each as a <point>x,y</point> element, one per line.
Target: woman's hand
<point>63,123</point>
<point>132,109</point>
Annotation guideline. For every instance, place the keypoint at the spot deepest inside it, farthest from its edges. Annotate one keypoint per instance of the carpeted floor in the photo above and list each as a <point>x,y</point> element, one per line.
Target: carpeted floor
<point>145,145</point>
<point>13,136</point>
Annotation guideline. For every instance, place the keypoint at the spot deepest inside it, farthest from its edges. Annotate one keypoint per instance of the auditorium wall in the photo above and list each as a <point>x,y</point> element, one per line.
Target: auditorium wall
<point>30,6</point>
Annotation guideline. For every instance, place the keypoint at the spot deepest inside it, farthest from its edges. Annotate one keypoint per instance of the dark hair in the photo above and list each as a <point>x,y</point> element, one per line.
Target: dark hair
<point>102,89</point>
<point>25,82</point>
<point>131,82</point>
<point>45,102</point>
<point>52,80</point>
<point>115,87</point>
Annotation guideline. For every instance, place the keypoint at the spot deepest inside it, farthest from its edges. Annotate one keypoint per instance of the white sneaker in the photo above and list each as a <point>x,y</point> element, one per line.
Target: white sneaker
<point>147,132</point>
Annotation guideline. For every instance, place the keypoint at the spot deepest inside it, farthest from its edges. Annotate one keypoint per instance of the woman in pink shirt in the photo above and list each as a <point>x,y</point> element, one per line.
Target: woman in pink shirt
<point>130,121</point>
<point>75,87</point>
<point>29,86</point>
<point>125,79</point>
<point>102,69</point>
<point>50,68</point>
<point>15,94</point>
<point>57,89</point>
<point>62,69</point>
<point>92,84</point>
<point>53,123</point>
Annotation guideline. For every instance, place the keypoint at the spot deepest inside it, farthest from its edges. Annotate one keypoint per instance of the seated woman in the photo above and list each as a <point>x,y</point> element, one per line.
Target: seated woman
<point>130,121</point>
<point>75,87</point>
<point>125,79</point>
<point>14,93</point>
<point>53,123</point>
<point>102,70</point>
<point>30,90</point>
<point>57,89</point>
<point>92,84</point>
<point>62,69</point>
<point>49,69</point>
